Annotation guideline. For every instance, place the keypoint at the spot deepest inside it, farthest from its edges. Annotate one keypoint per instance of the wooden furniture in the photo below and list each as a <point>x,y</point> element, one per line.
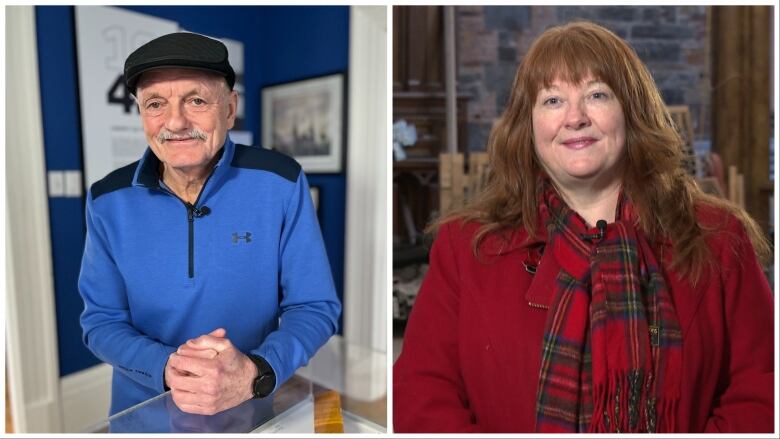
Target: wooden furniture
<point>736,187</point>
<point>415,192</point>
<point>457,184</point>
<point>418,79</point>
<point>418,38</point>
<point>427,112</point>
<point>681,117</point>
<point>419,98</point>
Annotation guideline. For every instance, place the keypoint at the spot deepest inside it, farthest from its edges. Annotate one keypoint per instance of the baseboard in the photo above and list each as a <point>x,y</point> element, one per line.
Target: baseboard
<point>86,398</point>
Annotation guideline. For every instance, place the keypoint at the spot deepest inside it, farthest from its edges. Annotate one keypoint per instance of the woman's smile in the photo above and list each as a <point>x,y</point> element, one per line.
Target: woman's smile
<point>579,142</point>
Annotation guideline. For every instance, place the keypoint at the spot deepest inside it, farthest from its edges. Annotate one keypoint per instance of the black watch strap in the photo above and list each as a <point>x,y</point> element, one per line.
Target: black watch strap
<point>265,381</point>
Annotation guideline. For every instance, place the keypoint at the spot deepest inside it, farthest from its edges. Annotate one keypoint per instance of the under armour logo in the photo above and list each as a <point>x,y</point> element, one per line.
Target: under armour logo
<point>246,237</point>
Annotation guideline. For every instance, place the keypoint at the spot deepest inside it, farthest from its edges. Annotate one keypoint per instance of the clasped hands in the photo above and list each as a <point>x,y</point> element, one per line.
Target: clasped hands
<point>208,374</point>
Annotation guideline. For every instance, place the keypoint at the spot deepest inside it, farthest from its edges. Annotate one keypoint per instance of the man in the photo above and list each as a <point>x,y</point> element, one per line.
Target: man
<point>204,269</point>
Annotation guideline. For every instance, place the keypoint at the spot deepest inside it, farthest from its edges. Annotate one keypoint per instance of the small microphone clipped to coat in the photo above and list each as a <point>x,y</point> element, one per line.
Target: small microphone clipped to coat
<point>201,212</point>
<point>602,226</point>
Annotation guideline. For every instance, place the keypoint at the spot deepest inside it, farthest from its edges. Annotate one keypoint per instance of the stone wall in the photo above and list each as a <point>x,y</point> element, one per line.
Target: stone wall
<point>491,41</point>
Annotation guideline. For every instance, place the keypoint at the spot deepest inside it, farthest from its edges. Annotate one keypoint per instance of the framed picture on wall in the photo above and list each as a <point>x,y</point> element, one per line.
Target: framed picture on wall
<point>305,120</point>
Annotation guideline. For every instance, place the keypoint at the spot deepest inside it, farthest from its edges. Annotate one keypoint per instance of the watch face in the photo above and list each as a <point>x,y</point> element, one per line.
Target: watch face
<point>263,386</point>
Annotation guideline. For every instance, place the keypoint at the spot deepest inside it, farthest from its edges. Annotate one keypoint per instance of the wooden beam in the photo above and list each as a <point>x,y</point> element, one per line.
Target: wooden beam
<point>741,36</point>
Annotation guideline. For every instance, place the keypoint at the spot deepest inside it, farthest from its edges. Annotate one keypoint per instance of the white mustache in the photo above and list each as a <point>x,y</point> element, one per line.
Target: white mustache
<point>191,134</point>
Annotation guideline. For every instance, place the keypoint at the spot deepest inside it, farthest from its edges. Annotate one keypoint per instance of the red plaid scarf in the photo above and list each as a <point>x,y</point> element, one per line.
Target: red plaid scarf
<point>611,357</point>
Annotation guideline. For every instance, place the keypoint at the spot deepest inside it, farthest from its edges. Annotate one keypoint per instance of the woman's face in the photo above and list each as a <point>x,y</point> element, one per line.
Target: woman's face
<point>579,133</point>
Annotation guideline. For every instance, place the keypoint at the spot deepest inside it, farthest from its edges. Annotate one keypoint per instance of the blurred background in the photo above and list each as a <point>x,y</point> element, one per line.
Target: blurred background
<point>58,141</point>
<point>453,67</point>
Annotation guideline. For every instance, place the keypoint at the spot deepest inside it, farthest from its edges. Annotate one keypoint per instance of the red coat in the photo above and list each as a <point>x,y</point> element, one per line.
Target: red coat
<point>471,353</point>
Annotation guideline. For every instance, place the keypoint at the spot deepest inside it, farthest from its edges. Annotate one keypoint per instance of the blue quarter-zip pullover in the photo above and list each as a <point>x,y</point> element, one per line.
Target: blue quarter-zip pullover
<point>248,257</point>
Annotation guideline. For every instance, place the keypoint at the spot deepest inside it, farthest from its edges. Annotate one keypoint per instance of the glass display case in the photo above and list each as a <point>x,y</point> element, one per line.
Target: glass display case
<point>342,389</point>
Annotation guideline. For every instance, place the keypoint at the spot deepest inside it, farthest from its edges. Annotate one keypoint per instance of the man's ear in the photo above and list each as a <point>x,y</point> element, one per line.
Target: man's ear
<point>232,108</point>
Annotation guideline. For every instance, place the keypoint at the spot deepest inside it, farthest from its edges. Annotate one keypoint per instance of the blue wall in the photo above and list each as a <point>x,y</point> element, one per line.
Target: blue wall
<point>281,44</point>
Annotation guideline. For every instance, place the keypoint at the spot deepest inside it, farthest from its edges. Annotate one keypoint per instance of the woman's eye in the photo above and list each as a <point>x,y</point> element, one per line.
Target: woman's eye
<point>551,101</point>
<point>599,95</point>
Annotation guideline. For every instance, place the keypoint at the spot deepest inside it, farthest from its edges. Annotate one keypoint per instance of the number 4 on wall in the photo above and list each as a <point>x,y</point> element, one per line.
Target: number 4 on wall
<point>119,94</point>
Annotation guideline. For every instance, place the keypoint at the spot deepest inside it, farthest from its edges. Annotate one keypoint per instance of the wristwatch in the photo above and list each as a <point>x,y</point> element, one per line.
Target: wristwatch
<point>265,382</point>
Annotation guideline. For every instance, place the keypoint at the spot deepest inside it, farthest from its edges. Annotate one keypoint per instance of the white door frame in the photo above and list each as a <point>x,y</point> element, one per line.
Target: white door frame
<point>366,286</point>
<point>32,357</point>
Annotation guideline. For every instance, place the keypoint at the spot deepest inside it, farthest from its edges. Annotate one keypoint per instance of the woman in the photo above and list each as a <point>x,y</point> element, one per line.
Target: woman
<point>592,286</point>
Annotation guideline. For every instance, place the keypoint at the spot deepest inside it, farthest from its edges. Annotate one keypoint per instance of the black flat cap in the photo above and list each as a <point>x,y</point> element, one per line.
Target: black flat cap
<point>183,50</point>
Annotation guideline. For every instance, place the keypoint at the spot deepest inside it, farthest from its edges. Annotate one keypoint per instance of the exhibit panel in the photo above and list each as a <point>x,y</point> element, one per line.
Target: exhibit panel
<point>343,389</point>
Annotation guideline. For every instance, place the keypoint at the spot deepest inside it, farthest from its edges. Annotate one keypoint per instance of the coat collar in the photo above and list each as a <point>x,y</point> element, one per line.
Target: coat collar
<point>518,243</point>
<point>540,291</point>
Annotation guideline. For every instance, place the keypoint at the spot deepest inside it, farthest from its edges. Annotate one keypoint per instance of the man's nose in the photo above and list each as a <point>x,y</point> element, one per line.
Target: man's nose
<point>177,119</point>
<point>577,116</point>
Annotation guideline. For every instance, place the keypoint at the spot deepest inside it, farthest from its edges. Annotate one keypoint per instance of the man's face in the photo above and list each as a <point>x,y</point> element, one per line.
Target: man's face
<point>186,114</point>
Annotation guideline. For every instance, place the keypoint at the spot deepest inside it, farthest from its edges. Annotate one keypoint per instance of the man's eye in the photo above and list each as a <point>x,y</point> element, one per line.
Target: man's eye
<point>153,105</point>
<point>198,101</point>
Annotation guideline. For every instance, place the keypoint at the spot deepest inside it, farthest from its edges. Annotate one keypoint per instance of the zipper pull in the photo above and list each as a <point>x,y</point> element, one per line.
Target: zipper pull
<point>190,212</point>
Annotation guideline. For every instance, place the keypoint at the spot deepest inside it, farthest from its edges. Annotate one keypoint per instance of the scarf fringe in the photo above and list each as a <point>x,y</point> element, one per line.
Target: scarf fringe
<point>615,412</point>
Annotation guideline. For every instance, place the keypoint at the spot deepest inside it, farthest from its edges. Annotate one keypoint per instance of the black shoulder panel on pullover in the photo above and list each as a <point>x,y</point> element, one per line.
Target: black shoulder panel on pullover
<point>253,157</point>
<point>118,179</point>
